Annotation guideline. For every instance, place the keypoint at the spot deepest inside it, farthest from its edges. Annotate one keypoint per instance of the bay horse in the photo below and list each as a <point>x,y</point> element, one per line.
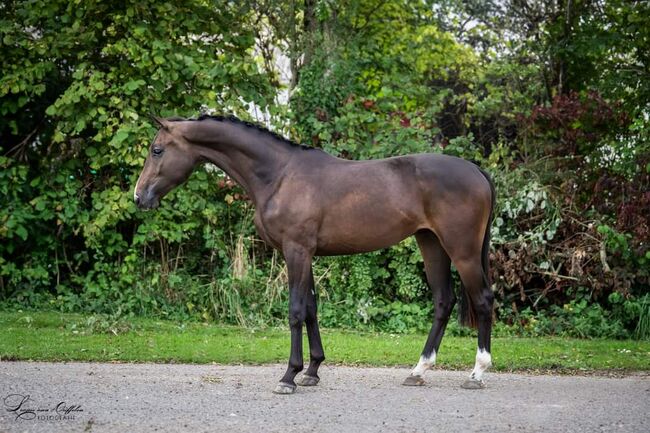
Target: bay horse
<point>309,203</point>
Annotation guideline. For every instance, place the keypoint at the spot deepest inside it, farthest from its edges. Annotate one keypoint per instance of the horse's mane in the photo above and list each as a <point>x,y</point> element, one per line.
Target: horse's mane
<point>233,119</point>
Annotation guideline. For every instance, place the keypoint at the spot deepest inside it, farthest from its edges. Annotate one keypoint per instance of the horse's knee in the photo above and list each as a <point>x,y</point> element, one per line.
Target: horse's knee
<point>297,315</point>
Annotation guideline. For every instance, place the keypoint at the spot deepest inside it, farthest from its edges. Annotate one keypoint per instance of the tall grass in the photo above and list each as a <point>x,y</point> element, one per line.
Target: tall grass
<point>277,281</point>
<point>249,293</point>
<point>642,331</point>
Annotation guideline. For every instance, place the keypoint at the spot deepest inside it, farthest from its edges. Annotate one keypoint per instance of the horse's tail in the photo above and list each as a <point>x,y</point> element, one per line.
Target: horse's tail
<point>467,315</point>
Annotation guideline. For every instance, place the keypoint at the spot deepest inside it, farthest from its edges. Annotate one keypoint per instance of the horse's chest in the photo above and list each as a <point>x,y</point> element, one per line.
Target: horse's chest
<point>266,230</point>
<point>287,219</point>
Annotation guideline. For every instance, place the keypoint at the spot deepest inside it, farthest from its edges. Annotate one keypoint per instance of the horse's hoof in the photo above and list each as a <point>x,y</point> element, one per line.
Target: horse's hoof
<point>473,384</point>
<point>284,388</point>
<point>413,381</point>
<point>308,380</point>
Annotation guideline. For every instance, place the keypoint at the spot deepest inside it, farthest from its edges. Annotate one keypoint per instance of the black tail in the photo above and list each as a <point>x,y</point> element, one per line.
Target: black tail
<point>485,253</point>
<point>467,316</point>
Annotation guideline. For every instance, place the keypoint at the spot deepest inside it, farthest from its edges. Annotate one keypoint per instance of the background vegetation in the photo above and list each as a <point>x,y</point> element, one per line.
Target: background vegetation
<point>553,98</point>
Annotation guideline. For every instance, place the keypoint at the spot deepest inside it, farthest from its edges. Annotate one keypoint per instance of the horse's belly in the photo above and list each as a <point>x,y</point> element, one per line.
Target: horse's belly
<point>363,233</point>
<point>346,247</point>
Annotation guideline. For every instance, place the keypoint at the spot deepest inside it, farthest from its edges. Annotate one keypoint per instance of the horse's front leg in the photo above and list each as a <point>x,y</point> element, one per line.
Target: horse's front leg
<point>316,353</point>
<point>298,260</point>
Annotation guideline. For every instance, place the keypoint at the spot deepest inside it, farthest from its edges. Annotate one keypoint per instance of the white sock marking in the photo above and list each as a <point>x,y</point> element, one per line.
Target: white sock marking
<point>424,364</point>
<point>483,362</point>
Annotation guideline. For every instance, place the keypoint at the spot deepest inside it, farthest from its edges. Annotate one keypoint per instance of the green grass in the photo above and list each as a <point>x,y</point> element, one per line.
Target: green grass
<point>51,336</point>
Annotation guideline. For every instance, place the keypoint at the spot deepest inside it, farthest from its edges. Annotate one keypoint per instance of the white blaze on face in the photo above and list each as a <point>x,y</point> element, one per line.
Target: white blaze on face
<point>424,364</point>
<point>483,362</point>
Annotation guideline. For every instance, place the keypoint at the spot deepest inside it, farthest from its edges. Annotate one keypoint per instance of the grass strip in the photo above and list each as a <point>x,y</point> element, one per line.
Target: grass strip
<point>52,336</point>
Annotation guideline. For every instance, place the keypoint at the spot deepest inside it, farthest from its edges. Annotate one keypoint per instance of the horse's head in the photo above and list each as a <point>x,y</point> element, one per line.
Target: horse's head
<point>170,162</point>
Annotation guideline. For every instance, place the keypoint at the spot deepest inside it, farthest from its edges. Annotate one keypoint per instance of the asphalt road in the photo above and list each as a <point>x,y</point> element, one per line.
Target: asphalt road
<point>211,398</point>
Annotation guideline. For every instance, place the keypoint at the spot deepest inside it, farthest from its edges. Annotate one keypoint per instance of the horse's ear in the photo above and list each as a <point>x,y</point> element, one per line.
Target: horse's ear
<point>160,122</point>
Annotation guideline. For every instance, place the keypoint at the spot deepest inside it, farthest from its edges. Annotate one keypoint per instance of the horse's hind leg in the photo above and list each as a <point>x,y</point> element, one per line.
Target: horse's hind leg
<point>438,271</point>
<point>481,301</point>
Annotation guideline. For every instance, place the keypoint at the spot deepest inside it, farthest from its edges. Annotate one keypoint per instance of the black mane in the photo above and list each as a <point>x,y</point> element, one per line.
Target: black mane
<point>236,120</point>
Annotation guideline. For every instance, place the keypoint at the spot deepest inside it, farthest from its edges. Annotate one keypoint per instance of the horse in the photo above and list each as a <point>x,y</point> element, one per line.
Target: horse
<point>309,203</point>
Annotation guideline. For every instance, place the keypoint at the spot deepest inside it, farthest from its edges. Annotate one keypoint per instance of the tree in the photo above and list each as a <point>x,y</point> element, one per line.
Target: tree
<point>79,80</point>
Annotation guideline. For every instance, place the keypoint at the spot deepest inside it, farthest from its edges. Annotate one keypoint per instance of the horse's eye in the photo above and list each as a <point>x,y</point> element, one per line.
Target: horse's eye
<point>157,151</point>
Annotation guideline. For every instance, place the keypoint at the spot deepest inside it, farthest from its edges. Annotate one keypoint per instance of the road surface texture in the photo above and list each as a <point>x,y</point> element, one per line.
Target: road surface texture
<point>93,397</point>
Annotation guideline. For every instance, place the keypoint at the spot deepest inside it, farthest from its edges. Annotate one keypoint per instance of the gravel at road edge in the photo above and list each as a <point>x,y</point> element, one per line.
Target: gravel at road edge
<point>198,398</point>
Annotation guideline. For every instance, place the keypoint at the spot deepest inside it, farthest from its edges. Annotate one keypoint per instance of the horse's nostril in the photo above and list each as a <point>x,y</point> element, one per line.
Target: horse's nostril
<point>136,197</point>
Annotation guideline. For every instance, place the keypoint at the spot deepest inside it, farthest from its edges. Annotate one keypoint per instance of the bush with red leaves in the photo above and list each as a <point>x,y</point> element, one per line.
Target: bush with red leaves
<point>577,121</point>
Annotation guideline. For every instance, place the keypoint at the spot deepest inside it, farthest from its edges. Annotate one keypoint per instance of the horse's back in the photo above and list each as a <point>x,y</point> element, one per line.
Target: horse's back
<point>416,177</point>
<point>368,205</point>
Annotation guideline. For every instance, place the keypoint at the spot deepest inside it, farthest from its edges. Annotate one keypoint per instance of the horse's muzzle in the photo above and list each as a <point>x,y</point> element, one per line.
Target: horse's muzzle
<point>146,202</point>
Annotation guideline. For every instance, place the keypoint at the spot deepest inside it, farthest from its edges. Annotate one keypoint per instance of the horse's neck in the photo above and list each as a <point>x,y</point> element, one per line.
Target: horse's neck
<point>254,160</point>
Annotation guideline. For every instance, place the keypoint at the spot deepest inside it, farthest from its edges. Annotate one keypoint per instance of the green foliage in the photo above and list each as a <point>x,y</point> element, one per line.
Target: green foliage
<point>367,92</point>
<point>582,319</point>
<point>555,109</point>
<point>76,93</point>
